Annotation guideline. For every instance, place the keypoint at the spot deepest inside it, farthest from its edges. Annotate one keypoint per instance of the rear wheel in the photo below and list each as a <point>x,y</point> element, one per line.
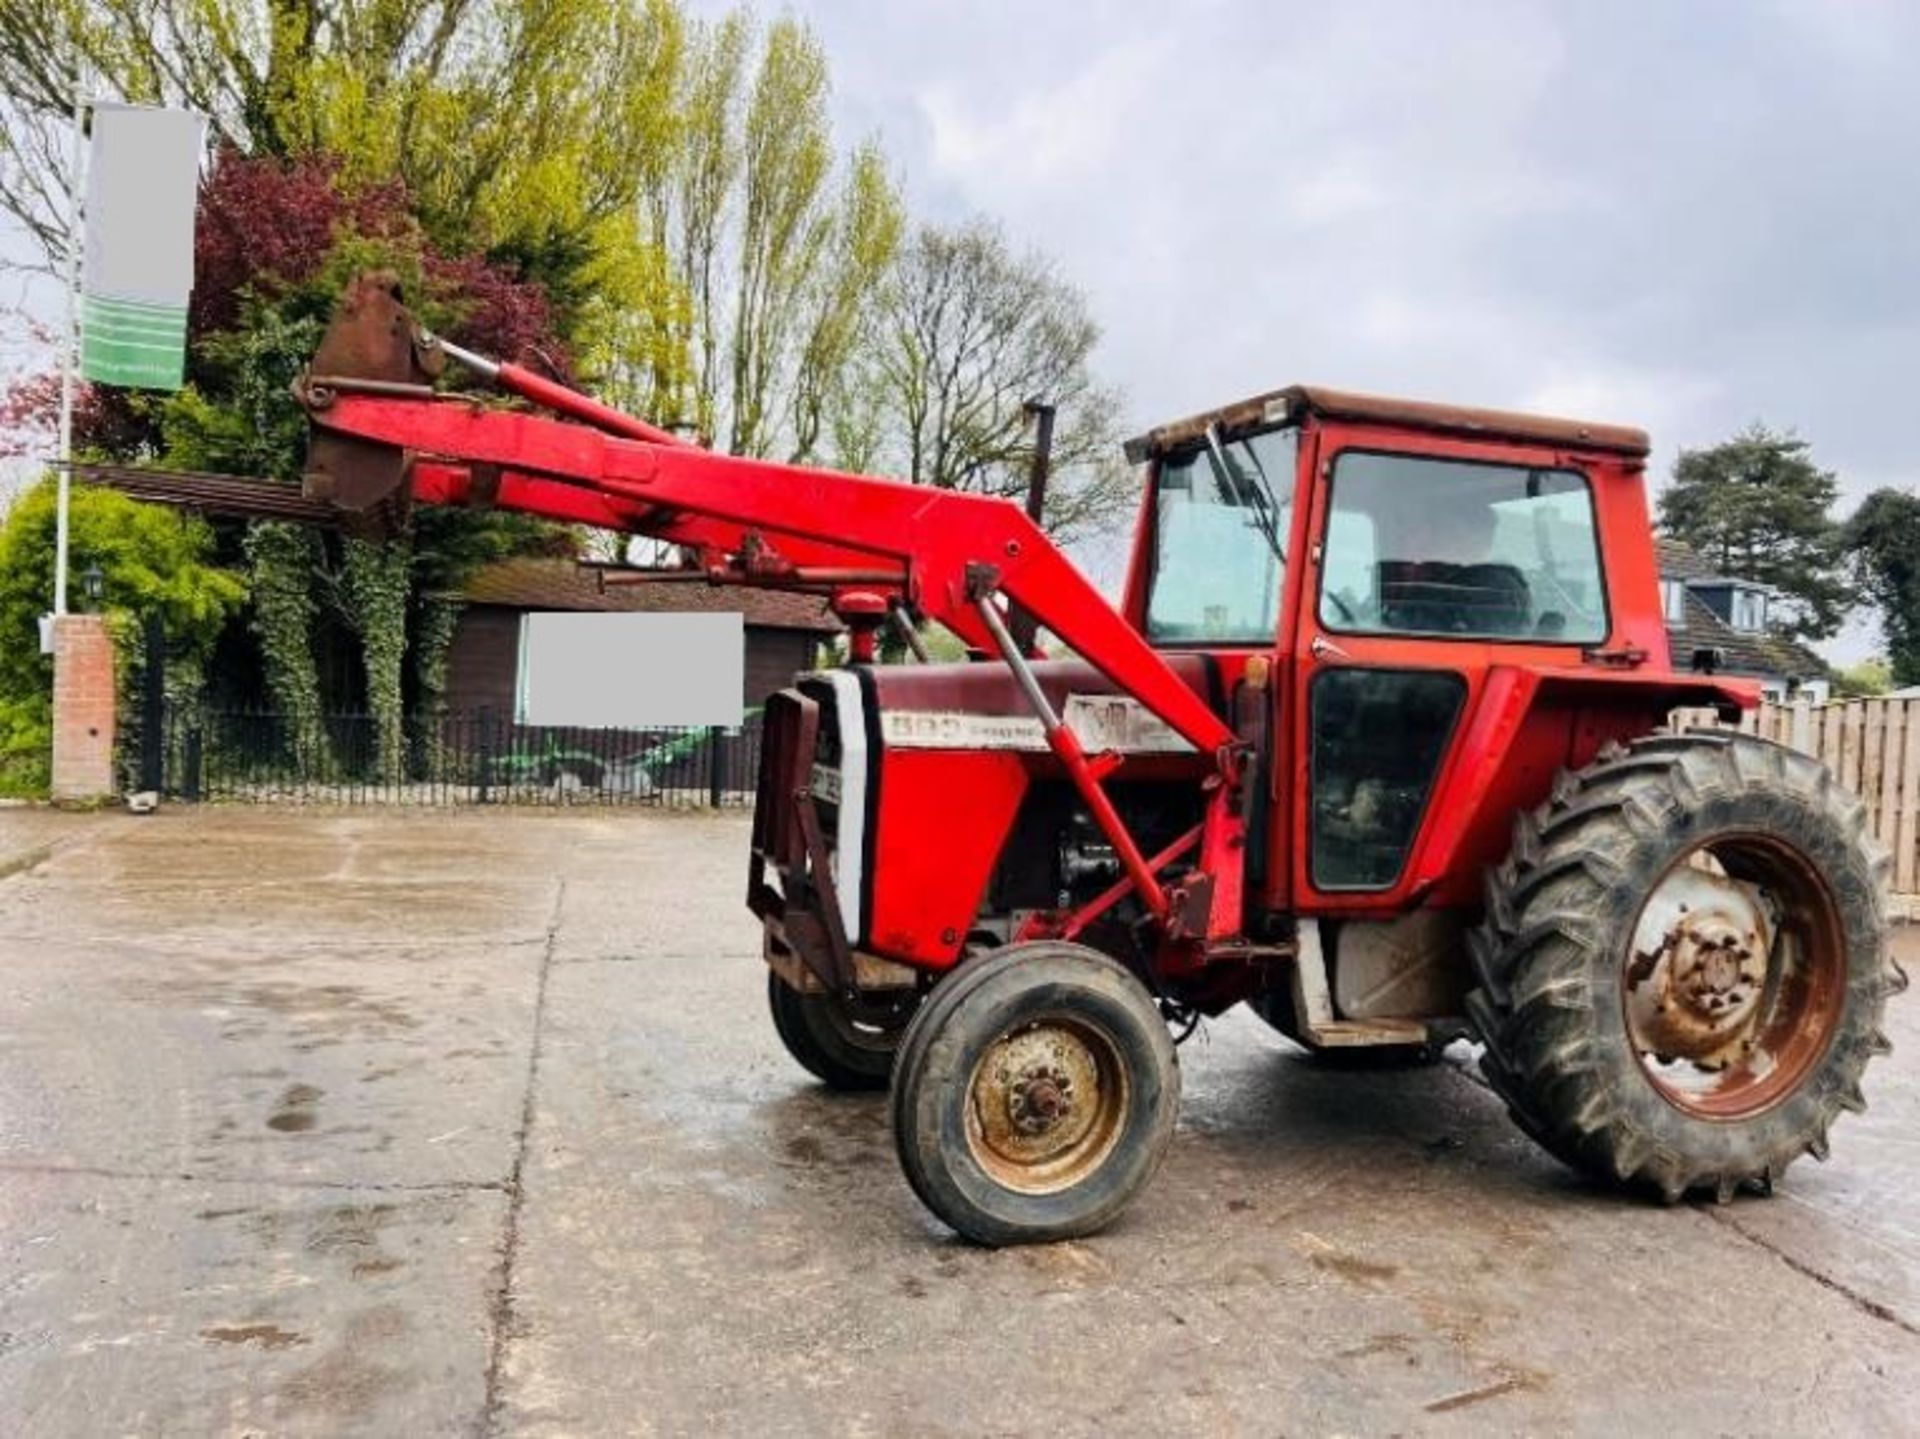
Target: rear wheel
<point>1684,964</point>
<point>842,1049</point>
<point>1035,1094</point>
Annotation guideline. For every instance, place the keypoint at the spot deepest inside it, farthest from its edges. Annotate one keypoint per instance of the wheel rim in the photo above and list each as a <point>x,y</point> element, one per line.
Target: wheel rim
<point>1047,1104</point>
<point>1735,978</point>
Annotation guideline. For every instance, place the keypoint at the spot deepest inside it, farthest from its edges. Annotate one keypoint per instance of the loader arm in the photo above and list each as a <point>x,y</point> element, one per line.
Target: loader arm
<point>730,552</point>
<point>382,437</point>
<point>951,550</point>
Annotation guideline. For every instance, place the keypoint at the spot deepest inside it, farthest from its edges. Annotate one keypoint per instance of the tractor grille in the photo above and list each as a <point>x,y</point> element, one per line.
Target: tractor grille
<point>787,748</point>
<point>815,779</point>
<point>824,777</point>
<point>801,753</point>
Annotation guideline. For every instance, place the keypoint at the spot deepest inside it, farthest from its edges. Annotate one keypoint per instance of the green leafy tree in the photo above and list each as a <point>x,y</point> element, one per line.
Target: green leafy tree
<point>1757,507</point>
<point>699,186</point>
<point>786,160</point>
<point>238,416</point>
<point>374,580</point>
<point>1882,540</point>
<point>513,125</point>
<point>673,184</point>
<point>151,560</point>
<point>1864,680</point>
<point>282,560</point>
<point>839,321</point>
<point>779,244</point>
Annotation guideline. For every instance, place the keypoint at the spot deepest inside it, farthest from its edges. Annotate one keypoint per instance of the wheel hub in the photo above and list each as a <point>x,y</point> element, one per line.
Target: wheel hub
<point>1699,969</point>
<point>1040,1099</point>
<point>1045,1105</point>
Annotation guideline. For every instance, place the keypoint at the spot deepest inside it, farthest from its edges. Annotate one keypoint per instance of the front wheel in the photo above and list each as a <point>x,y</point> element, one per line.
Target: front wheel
<point>1684,964</point>
<point>842,1050</point>
<point>1034,1094</point>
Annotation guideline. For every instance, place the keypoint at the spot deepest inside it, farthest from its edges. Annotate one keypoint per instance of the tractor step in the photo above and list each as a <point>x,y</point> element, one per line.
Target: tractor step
<point>1353,1033</point>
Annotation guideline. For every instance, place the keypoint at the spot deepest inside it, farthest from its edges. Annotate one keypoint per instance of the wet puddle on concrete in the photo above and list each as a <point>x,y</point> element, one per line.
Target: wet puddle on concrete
<point>296,1111</point>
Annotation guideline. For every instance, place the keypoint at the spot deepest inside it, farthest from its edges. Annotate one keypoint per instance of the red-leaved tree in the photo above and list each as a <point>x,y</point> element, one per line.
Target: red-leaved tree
<point>267,229</point>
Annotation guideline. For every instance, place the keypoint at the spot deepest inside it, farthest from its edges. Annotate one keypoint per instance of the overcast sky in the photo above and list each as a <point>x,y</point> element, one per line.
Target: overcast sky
<point>1681,216</point>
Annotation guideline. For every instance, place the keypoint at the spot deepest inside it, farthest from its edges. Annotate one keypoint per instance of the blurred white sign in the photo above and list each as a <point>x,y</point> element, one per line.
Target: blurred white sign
<point>630,671</point>
<point>141,185</point>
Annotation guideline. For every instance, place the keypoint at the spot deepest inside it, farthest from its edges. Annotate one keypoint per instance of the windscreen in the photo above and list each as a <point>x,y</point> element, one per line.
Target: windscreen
<point>1221,516</point>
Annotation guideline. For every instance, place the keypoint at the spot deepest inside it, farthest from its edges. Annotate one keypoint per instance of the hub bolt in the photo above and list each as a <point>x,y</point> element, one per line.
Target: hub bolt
<point>1041,1099</point>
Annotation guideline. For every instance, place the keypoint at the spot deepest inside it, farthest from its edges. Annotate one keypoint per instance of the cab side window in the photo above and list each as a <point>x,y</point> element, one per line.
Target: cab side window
<point>1422,546</point>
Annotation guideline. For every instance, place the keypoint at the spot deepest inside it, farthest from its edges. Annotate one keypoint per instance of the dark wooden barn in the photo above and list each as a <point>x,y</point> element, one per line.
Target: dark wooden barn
<point>783,631</point>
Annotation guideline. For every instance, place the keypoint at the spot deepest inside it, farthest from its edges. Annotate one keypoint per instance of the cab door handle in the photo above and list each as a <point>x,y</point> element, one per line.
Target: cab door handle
<point>1322,648</point>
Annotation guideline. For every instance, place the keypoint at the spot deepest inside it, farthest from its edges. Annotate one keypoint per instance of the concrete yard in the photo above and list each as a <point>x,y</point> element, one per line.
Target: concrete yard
<point>320,1122</point>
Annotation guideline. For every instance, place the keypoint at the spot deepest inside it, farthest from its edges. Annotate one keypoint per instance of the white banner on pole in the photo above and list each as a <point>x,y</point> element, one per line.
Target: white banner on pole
<point>143,176</point>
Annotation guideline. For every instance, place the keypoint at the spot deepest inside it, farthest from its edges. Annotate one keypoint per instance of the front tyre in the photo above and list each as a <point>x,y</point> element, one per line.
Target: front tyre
<point>1684,964</point>
<point>1034,1094</point>
<point>842,1050</point>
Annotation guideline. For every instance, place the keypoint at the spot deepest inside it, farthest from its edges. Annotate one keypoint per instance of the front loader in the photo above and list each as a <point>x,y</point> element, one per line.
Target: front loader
<point>1375,742</point>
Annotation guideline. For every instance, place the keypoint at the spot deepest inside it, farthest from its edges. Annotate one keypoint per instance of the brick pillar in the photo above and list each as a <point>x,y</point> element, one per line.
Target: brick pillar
<point>83,695</point>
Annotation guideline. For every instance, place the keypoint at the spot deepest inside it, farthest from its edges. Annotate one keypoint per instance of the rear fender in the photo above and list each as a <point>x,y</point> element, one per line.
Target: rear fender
<point>1527,726</point>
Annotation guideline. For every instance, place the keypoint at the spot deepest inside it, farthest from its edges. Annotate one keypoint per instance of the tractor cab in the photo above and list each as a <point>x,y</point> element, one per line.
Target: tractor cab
<point>1448,523</point>
<point>1375,569</point>
<point>1500,544</point>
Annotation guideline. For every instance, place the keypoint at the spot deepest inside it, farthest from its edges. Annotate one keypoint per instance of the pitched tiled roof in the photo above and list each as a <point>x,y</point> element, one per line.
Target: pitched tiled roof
<point>1746,652</point>
<point>540,584</point>
<point>1681,562</point>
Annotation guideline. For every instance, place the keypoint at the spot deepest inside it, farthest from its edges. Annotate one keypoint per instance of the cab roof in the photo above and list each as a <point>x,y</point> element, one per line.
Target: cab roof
<point>1295,402</point>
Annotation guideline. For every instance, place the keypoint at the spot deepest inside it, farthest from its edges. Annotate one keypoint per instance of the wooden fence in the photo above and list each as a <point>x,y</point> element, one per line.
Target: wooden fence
<point>1873,748</point>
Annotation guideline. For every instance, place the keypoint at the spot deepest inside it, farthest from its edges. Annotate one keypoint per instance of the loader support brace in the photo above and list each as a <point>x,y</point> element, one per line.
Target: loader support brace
<point>1084,772</point>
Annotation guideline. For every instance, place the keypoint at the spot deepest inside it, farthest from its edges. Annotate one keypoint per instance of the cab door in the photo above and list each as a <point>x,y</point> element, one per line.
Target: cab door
<point>1428,562</point>
<point>1213,572</point>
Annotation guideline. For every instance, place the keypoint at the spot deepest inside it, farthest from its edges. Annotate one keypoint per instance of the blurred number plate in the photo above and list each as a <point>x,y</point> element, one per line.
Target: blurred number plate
<point>825,784</point>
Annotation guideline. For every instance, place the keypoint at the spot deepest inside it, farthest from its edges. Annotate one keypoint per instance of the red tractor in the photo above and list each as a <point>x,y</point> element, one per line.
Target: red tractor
<point>1374,743</point>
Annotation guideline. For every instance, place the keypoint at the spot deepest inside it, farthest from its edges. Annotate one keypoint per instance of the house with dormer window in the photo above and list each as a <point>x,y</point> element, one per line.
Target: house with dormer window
<point>1727,625</point>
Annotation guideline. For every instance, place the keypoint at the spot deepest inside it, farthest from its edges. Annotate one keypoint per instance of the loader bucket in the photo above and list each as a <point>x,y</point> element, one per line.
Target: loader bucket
<point>372,340</point>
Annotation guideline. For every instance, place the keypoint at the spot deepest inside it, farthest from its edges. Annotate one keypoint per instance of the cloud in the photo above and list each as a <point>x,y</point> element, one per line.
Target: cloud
<point>1701,207</point>
<point>1063,135</point>
<point>1683,217</point>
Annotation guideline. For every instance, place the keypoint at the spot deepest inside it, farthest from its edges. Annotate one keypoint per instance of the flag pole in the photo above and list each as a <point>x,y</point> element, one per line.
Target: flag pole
<point>69,339</point>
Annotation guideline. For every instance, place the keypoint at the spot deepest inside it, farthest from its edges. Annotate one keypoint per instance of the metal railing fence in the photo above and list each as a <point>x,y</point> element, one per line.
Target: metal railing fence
<point>189,753</point>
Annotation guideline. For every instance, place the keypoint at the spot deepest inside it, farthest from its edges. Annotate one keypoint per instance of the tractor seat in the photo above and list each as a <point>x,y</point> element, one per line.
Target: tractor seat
<point>1438,597</point>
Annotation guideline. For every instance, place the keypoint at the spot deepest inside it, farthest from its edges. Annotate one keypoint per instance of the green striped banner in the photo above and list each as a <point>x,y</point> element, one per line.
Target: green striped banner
<point>134,343</point>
